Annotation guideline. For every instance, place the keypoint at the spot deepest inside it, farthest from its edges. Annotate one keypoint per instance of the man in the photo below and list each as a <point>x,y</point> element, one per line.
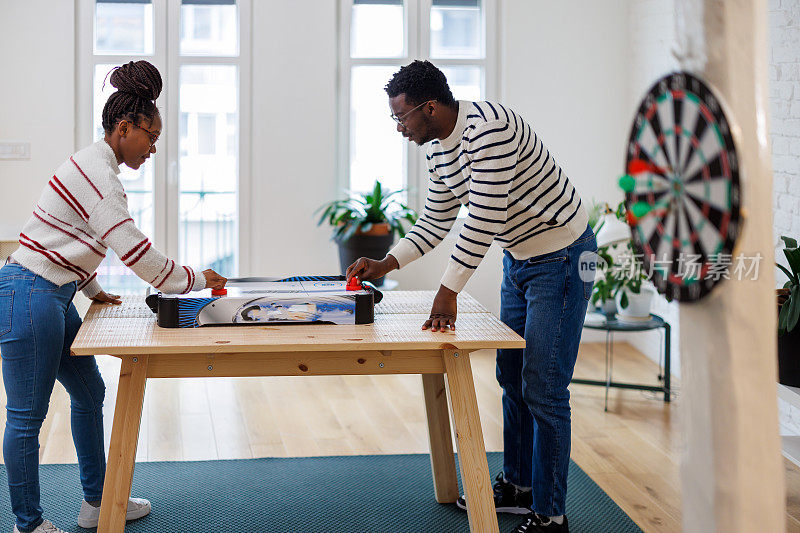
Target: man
<point>484,156</point>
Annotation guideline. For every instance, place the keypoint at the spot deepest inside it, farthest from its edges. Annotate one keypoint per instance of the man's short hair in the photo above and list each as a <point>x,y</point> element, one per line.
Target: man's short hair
<point>420,81</point>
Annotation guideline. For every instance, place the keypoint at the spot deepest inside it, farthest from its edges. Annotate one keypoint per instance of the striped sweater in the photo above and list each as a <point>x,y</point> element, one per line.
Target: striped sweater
<point>515,192</point>
<point>82,212</point>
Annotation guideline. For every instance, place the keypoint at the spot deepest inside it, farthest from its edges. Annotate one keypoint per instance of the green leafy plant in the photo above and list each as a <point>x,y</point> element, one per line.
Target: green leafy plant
<point>360,212</point>
<point>595,211</point>
<point>631,280</point>
<point>790,308</point>
<point>613,279</point>
<point>604,286</point>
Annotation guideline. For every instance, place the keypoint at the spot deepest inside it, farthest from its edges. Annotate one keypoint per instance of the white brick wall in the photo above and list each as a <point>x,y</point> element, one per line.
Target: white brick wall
<point>784,99</point>
<point>652,40</point>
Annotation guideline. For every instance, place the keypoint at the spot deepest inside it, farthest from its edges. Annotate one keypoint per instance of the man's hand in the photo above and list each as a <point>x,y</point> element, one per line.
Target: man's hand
<point>104,298</point>
<point>214,280</point>
<point>365,269</point>
<point>443,311</point>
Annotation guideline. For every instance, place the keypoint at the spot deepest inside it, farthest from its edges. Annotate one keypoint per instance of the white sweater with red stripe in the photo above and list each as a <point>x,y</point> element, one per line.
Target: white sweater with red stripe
<point>82,212</point>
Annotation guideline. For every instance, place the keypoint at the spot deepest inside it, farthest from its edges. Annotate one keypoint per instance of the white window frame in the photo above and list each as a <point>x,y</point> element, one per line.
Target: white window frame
<point>166,57</point>
<point>417,46</point>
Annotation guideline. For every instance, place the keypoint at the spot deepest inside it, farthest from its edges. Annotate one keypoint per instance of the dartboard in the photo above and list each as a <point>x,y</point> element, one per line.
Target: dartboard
<point>682,187</point>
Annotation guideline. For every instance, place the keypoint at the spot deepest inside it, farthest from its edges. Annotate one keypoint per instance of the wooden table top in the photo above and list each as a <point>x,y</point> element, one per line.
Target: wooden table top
<point>130,329</point>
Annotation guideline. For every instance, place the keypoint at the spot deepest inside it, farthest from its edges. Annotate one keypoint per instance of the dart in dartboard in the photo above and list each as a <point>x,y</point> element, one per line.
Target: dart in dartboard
<point>681,186</point>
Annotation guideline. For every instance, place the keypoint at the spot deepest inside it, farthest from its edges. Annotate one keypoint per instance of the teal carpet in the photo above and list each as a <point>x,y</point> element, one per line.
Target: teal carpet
<point>369,494</point>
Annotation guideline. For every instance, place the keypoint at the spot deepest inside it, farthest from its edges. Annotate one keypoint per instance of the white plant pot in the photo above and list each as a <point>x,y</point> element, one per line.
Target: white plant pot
<point>638,309</point>
<point>609,307</point>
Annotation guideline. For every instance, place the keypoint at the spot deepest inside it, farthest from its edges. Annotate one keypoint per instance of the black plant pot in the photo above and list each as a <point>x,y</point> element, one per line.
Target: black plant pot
<point>789,358</point>
<point>371,246</point>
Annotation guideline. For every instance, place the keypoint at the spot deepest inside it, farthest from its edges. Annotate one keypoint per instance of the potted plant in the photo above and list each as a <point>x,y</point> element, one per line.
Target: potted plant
<point>602,292</point>
<point>632,295</point>
<point>365,225</point>
<point>788,314</point>
<point>619,286</point>
<point>605,283</point>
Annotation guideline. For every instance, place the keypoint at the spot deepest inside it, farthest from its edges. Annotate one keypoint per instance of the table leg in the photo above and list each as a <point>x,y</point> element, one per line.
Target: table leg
<point>124,437</point>
<point>443,464</point>
<point>608,371</point>
<point>469,439</point>
<point>667,368</point>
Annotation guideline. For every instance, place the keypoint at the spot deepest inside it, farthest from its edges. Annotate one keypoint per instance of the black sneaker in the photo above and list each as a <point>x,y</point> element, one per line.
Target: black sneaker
<point>536,523</point>
<point>507,499</point>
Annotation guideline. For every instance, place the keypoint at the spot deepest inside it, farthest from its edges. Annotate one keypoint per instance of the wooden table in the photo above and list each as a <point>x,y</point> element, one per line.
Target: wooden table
<point>394,344</point>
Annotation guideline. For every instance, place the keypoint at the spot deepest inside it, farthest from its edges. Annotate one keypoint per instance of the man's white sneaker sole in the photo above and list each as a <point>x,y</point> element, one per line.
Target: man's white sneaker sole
<point>504,510</point>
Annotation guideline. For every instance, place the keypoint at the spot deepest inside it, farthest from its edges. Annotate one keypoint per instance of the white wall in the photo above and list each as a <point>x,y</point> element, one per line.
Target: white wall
<point>651,43</point>
<point>564,68</point>
<point>784,96</point>
<point>294,135</point>
<point>38,100</point>
<point>652,40</point>
<point>784,93</point>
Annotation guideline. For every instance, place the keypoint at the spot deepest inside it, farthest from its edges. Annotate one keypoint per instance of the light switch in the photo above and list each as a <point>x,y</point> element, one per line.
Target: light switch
<point>13,150</point>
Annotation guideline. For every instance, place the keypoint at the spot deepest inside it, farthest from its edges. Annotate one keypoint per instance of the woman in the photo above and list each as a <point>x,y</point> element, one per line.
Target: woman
<point>81,213</point>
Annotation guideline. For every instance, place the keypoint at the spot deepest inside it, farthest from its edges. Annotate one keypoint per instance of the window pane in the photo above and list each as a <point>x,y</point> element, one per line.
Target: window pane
<point>208,168</point>
<point>209,28</point>
<point>377,150</point>
<point>114,276</point>
<point>123,27</point>
<point>466,83</point>
<point>206,133</point>
<point>232,138</point>
<point>456,29</point>
<point>376,28</point>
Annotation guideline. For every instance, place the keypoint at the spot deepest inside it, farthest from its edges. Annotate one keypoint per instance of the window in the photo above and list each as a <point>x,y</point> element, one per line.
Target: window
<point>379,36</point>
<point>206,133</point>
<point>123,27</point>
<point>187,200</point>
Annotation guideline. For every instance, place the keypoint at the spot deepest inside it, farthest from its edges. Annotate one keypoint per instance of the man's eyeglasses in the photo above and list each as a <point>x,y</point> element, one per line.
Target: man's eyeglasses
<point>153,136</point>
<point>401,119</point>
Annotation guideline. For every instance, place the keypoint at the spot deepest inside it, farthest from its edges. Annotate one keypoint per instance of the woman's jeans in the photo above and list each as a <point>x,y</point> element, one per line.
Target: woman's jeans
<point>543,299</point>
<point>38,323</point>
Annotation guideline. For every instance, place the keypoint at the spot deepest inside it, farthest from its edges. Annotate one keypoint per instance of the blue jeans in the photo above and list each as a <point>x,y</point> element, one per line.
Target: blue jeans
<point>38,323</point>
<point>543,299</point>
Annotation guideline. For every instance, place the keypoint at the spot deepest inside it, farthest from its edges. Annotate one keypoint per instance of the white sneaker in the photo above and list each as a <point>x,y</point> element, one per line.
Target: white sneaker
<point>90,515</point>
<point>45,527</point>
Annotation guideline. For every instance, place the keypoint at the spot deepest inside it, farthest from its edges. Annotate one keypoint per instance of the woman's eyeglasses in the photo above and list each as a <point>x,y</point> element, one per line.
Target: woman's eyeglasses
<point>153,136</point>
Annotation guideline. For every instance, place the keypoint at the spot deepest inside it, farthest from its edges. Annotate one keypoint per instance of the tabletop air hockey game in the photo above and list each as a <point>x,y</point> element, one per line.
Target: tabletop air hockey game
<point>258,301</point>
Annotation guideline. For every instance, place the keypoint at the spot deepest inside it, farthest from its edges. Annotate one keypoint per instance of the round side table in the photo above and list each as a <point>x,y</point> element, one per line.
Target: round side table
<point>610,324</point>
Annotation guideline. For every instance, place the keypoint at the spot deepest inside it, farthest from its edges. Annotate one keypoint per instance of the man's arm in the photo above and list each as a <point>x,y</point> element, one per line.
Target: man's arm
<point>493,149</point>
<point>440,212</point>
<point>438,215</point>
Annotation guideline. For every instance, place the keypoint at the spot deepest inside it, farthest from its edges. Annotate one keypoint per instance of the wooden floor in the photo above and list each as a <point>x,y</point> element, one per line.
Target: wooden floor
<point>631,451</point>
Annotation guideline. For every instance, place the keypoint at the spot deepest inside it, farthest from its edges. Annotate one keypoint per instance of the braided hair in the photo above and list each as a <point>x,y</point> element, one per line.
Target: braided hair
<point>138,84</point>
<point>420,81</point>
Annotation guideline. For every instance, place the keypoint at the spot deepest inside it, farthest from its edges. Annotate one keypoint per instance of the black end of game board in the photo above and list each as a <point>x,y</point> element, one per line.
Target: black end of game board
<point>166,310</point>
<point>365,308</point>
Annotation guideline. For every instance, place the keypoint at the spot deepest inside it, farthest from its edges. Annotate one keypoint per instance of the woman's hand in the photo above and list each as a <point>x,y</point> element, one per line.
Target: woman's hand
<point>365,269</point>
<point>443,311</point>
<point>214,280</point>
<point>104,298</point>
